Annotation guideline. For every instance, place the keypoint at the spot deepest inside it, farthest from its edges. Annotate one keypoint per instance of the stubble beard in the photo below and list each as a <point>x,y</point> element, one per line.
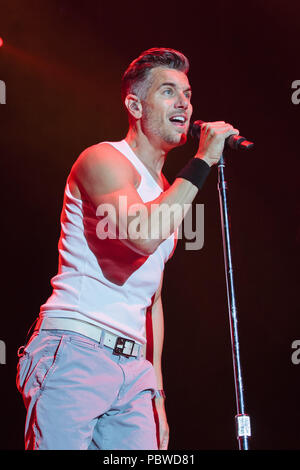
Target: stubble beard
<point>153,126</point>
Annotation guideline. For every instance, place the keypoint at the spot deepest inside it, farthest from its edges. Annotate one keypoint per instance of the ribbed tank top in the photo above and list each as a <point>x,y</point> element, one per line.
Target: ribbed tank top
<point>84,287</point>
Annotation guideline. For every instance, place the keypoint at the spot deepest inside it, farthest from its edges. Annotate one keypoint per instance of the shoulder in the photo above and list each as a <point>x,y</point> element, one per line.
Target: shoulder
<point>102,162</point>
<point>102,155</point>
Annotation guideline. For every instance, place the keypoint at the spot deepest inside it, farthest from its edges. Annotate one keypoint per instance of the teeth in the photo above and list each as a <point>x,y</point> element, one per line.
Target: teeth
<point>178,118</point>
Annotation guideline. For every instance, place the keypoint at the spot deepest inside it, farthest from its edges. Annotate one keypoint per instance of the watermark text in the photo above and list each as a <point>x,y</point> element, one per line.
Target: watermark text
<point>2,92</point>
<point>296,94</point>
<point>2,352</point>
<point>154,222</point>
<point>296,354</point>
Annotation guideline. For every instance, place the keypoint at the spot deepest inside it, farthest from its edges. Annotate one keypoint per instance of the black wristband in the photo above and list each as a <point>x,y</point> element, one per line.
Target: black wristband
<point>195,171</point>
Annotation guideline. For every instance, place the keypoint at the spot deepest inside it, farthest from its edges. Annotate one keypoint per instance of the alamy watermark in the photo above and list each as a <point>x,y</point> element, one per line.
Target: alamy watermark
<point>2,352</point>
<point>137,221</point>
<point>2,92</point>
<point>296,354</point>
<point>296,94</point>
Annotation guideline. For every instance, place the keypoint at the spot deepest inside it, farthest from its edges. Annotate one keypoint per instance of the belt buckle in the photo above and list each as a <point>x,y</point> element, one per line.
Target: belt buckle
<point>121,345</point>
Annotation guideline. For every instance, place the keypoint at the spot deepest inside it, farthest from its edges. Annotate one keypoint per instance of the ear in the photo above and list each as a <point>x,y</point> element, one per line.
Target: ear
<point>134,106</point>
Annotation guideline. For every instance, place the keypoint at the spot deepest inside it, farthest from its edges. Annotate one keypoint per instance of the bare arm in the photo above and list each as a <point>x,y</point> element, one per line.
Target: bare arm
<point>158,339</point>
<point>158,334</point>
<point>105,176</point>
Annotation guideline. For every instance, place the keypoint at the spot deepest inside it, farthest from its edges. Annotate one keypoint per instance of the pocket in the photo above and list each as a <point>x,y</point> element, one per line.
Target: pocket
<point>38,362</point>
<point>22,370</point>
<point>23,363</point>
<point>49,362</point>
<point>84,343</point>
<point>152,384</point>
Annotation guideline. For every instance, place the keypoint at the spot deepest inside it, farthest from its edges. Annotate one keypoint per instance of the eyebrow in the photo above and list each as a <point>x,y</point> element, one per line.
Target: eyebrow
<point>172,84</point>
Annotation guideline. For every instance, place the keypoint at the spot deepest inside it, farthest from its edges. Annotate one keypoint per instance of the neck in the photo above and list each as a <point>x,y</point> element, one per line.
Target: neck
<point>149,152</point>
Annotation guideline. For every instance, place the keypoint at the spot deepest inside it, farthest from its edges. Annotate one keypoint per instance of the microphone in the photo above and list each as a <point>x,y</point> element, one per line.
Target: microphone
<point>235,142</point>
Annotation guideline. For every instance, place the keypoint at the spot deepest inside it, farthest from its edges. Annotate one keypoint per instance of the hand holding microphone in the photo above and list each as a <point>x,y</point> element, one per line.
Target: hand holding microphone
<point>213,137</point>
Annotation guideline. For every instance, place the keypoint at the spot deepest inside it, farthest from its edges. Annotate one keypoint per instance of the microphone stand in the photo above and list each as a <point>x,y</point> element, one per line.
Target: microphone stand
<point>242,420</point>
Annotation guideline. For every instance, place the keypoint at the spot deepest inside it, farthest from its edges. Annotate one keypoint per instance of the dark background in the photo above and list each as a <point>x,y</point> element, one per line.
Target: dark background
<point>62,63</point>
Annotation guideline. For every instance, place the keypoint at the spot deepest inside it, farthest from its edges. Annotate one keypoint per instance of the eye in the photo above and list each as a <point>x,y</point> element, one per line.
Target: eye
<point>168,91</point>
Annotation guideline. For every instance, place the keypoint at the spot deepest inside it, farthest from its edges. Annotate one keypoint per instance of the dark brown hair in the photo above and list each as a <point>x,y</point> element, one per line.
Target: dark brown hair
<point>135,77</point>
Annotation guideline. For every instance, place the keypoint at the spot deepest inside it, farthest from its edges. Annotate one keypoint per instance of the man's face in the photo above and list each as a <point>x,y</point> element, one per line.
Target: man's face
<point>167,108</point>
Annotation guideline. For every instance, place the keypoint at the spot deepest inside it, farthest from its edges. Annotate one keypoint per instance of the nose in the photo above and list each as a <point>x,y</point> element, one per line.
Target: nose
<point>182,101</point>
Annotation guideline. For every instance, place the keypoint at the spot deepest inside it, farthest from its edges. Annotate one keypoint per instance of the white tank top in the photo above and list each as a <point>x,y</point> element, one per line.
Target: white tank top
<point>103,281</point>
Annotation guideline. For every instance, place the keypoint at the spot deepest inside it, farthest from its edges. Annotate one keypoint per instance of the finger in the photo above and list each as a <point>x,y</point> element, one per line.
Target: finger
<point>227,131</point>
<point>210,129</point>
<point>213,124</point>
<point>232,132</point>
<point>217,123</point>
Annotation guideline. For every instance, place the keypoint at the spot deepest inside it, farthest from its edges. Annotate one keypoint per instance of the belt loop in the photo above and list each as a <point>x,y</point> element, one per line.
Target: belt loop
<point>102,339</point>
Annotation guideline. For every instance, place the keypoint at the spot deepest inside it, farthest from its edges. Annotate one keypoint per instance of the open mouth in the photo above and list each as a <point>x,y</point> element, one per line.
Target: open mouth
<point>178,120</point>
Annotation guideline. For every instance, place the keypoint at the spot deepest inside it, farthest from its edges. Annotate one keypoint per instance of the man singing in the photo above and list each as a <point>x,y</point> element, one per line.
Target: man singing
<point>84,376</point>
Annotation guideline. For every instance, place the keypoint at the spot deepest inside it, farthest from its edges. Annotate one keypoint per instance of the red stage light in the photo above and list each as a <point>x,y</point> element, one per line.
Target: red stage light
<point>1,42</point>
